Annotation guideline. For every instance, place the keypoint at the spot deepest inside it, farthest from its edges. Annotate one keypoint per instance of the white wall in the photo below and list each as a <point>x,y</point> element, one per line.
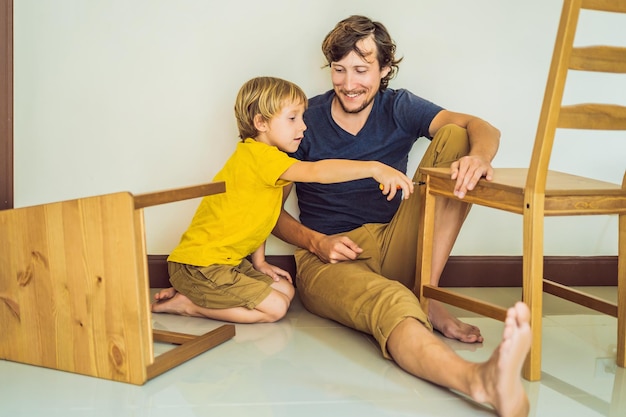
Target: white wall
<point>137,95</point>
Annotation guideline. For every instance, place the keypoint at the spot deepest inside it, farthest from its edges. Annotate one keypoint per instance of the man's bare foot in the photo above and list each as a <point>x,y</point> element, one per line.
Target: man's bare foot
<point>501,384</point>
<point>173,302</point>
<point>450,326</point>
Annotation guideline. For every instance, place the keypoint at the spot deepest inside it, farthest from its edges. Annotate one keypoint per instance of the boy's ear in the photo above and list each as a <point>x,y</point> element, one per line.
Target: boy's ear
<point>259,123</point>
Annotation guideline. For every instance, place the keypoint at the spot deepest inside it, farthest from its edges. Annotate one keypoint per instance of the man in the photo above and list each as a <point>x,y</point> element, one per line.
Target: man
<point>357,262</point>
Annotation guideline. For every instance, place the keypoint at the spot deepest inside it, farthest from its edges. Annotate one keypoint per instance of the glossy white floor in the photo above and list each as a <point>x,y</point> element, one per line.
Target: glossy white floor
<point>307,366</point>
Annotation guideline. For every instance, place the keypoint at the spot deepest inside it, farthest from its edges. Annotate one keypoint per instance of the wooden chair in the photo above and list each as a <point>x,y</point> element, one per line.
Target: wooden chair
<point>537,191</point>
<point>74,289</point>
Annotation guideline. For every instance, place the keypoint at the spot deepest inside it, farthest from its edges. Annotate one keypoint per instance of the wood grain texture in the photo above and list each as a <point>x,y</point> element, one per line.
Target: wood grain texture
<point>69,269</point>
<point>74,288</point>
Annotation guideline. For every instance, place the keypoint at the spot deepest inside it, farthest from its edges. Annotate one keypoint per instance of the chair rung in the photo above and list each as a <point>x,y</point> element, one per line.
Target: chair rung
<point>465,302</point>
<point>605,5</point>
<point>599,58</point>
<point>189,347</point>
<point>593,116</point>
<point>178,194</point>
<point>580,298</point>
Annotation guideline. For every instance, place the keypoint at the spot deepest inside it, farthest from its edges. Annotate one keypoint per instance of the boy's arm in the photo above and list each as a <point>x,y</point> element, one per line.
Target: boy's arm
<point>260,264</point>
<point>258,256</point>
<point>340,170</point>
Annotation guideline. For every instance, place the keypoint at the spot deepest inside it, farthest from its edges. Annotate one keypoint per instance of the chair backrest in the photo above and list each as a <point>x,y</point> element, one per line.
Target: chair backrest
<point>565,58</point>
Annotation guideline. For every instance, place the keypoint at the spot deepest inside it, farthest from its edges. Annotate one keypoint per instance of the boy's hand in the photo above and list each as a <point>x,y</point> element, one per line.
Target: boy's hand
<point>391,181</point>
<point>273,271</point>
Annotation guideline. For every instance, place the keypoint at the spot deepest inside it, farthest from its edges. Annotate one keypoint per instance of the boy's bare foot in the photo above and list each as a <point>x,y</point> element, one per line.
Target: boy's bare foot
<point>501,384</point>
<point>170,301</point>
<point>451,327</point>
<point>165,294</point>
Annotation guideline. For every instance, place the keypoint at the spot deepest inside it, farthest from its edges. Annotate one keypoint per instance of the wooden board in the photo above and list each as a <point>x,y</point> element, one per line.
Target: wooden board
<point>73,289</point>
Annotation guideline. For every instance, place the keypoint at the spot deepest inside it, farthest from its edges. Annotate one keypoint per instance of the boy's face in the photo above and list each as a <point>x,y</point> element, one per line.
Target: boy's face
<point>285,130</point>
<point>356,79</point>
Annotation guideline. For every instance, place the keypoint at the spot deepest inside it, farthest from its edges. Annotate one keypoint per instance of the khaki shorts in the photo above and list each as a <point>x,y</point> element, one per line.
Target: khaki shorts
<point>373,294</point>
<point>221,286</point>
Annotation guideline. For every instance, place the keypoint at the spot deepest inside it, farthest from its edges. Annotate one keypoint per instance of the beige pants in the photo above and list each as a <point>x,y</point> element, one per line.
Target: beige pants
<point>373,294</point>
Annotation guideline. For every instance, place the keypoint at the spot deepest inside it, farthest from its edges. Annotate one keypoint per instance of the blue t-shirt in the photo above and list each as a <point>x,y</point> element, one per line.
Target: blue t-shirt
<point>397,120</point>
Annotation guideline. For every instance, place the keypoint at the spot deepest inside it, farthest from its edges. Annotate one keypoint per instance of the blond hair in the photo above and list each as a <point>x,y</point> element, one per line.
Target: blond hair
<point>265,96</point>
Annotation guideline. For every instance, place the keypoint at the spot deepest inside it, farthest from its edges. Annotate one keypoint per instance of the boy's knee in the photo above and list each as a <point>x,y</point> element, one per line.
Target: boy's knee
<point>277,306</point>
<point>290,292</point>
<point>278,312</point>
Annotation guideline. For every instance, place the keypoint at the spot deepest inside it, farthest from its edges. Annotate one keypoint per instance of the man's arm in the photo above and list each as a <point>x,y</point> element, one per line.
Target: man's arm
<point>331,249</point>
<point>484,141</point>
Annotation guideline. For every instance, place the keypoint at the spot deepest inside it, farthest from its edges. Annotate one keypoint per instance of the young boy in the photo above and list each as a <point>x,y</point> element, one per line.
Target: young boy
<point>209,269</point>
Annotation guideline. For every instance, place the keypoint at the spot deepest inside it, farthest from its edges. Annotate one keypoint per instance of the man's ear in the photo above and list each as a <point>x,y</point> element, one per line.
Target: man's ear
<point>384,72</point>
<point>260,124</point>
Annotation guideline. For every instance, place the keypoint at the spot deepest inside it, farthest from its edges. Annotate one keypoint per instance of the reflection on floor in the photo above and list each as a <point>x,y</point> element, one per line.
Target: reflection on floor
<point>307,366</point>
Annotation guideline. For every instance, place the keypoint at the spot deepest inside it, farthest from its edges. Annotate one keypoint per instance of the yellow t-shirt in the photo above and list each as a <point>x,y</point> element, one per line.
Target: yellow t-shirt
<point>228,227</point>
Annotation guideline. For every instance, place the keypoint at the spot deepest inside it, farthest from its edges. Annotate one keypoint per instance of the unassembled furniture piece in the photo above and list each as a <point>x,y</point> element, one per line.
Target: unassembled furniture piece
<point>537,191</point>
<point>74,288</point>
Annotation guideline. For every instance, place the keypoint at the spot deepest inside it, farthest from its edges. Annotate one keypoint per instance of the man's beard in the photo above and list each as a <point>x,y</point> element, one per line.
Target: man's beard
<point>358,109</point>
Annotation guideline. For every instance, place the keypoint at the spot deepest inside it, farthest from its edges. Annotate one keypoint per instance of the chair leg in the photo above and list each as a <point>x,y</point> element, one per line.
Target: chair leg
<point>618,398</point>
<point>424,244</point>
<point>532,282</point>
<point>621,292</point>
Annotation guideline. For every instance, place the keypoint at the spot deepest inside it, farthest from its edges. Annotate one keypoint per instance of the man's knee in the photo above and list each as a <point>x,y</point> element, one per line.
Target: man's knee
<point>452,143</point>
<point>455,138</point>
<point>452,130</point>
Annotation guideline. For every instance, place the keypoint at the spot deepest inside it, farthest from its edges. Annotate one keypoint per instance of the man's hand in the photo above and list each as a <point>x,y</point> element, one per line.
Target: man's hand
<point>467,171</point>
<point>336,248</point>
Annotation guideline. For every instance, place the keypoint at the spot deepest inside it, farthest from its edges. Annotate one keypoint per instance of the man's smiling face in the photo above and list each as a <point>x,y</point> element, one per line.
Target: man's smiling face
<point>356,79</point>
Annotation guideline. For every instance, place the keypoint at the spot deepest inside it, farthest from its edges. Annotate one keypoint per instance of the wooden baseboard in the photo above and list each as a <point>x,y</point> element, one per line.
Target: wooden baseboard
<point>470,271</point>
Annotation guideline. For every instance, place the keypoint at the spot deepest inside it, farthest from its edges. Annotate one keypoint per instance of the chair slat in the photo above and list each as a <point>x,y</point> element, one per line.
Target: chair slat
<point>593,116</point>
<point>605,5</point>
<point>599,58</point>
<point>465,302</point>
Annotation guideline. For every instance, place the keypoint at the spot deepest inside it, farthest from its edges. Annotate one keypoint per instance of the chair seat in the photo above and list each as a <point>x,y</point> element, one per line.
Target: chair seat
<point>74,288</point>
<point>565,194</point>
